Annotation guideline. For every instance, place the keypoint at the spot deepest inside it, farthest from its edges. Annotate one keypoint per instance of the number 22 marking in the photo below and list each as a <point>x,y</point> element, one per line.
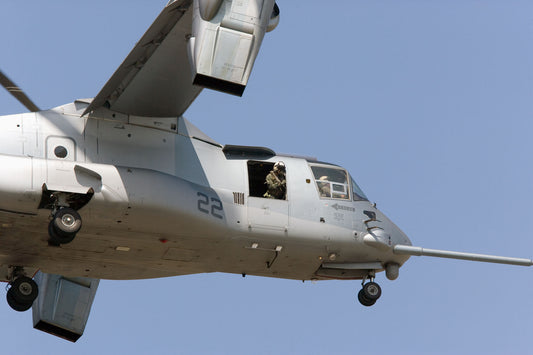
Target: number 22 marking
<point>216,205</point>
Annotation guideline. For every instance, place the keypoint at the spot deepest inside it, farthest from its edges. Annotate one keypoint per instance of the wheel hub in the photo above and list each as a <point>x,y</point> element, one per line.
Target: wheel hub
<point>372,290</point>
<point>68,220</point>
<point>25,288</point>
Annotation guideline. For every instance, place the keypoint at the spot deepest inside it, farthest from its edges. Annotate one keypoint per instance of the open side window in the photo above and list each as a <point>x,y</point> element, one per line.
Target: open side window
<point>257,173</point>
<point>264,183</point>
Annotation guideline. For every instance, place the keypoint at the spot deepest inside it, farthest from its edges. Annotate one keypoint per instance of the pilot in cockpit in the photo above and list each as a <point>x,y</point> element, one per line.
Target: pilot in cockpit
<point>324,186</point>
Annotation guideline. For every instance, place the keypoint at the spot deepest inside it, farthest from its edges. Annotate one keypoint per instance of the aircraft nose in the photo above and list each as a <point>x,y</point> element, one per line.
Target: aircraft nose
<point>382,232</point>
<point>398,236</point>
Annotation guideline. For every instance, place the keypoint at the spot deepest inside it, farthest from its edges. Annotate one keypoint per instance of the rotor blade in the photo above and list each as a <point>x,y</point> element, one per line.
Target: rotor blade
<point>17,93</point>
<point>418,251</point>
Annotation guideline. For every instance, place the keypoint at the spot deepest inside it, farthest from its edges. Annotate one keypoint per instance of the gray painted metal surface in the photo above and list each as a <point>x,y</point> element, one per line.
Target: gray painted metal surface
<point>154,79</point>
<point>63,305</point>
<point>173,184</point>
<point>418,251</point>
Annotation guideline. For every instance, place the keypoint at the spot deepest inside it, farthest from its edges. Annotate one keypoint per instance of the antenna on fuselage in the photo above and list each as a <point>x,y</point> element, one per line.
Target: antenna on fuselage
<point>17,93</point>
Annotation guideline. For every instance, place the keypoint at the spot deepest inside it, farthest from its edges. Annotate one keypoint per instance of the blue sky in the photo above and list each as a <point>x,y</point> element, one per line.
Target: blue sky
<point>426,103</point>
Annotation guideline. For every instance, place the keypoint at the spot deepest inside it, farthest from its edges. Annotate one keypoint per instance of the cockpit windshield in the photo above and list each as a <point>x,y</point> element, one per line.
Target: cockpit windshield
<point>358,194</point>
<point>333,182</point>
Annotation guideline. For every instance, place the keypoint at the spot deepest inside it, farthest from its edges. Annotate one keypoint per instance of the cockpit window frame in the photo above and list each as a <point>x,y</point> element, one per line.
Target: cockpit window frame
<point>352,191</point>
<point>329,186</point>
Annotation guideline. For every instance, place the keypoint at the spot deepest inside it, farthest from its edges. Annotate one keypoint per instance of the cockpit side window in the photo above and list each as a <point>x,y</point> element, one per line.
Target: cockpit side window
<point>331,182</point>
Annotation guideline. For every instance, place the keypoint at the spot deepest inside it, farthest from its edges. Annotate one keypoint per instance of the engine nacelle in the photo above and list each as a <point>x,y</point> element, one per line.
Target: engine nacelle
<point>63,305</point>
<point>226,37</point>
<point>208,8</point>
<point>274,18</point>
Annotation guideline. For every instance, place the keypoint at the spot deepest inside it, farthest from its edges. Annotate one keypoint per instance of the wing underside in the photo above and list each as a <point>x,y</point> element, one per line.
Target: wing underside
<point>155,78</point>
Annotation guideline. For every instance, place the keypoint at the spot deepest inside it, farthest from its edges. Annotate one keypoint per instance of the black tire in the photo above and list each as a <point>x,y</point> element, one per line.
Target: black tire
<point>22,293</point>
<point>19,307</point>
<point>66,222</point>
<point>371,291</point>
<point>363,300</point>
<point>24,290</point>
<point>57,239</point>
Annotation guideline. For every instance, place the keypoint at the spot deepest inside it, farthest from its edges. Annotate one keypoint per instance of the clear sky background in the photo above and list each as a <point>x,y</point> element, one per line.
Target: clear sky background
<point>426,103</point>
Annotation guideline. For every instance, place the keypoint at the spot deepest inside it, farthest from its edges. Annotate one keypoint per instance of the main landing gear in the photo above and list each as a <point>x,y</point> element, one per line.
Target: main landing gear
<point>65,222</point>
<point>370,292</point>
<point>64,225</point>
<point>22,292</point>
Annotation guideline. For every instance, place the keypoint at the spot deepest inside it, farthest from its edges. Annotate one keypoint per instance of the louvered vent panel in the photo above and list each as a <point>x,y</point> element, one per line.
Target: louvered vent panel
<point>238,198</point>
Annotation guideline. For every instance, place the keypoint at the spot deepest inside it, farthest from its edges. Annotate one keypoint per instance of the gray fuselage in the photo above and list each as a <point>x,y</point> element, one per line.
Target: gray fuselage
<point>160,198</point>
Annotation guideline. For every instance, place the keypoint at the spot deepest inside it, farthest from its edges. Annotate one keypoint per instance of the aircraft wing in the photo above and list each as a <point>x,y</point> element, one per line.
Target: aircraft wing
<point>191,44</point>
<point>155,78</point>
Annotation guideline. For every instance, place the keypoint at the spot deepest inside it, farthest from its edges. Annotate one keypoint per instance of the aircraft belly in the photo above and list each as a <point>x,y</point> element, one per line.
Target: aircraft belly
<point>111,253</point>
<point>107,252</point>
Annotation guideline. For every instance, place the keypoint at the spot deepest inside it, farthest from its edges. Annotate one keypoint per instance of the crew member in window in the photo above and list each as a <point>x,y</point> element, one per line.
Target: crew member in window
<point>324,186</point>
<point>276,182</point>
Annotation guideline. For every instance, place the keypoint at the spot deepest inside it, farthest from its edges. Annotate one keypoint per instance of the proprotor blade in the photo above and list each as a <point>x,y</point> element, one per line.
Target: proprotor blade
<point>17,93</point>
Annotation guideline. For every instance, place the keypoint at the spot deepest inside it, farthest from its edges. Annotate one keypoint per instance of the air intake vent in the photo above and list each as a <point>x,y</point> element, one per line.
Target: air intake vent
<point>238,198</point>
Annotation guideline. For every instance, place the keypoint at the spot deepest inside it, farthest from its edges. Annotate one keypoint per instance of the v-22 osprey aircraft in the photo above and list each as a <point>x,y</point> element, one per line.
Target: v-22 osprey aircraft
<point>123,187</point>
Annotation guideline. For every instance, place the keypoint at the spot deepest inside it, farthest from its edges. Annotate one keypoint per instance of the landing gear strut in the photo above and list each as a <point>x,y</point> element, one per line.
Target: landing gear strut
<point>370,293</point>
<point>65,223</point>
<point>22,293</point>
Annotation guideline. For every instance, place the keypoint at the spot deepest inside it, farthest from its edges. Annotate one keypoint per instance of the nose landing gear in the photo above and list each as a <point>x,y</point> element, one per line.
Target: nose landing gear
<point>22,293</point>
<point>370,293</point>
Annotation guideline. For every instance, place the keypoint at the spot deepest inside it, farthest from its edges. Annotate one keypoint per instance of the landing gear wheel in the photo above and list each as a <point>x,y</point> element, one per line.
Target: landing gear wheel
<point>19,307</point>
<point>363,300</point>
<point>369,294</point>
<point>64,226</point>
<point>67,221</point>
<point>22,293</point>
<point>372,291</point>
<point>55,238</point>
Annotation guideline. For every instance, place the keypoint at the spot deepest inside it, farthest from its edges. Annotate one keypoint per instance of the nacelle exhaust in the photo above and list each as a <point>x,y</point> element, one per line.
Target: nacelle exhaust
<point>226,37</point>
